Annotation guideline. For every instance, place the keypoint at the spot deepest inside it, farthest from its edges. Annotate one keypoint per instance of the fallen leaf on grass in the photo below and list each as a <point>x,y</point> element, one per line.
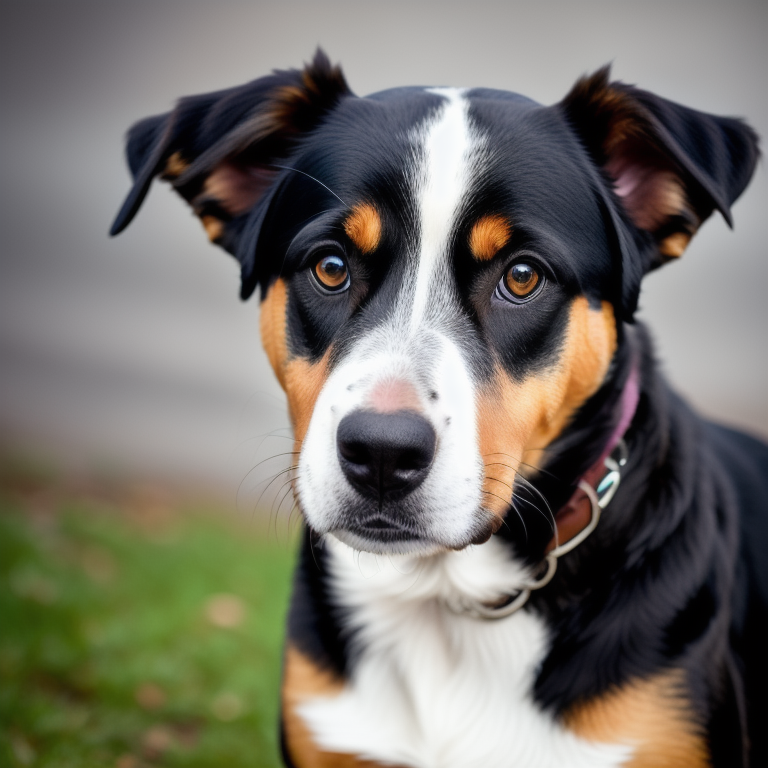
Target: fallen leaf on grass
<point>150,696</point>
<point>22,750</point>
<point>157,740</point>
<point>226,611</point>
<point>99,565</point>
<point>31,585</point>
<point>127,761</point>
<point>227,706</point>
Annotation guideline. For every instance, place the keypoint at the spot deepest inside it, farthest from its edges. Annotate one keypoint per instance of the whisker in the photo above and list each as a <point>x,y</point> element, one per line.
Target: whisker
<point>253,469</point>
<point>309,176</point>
<point>273,514</point>
<point>272,480</point>
<point>517,511</point>
<point>312,550</point>
<point>520,462</point>
<point>531,488</point>
<point>511,504</point>
<point>501,498</point>
<point>550,520</point>
<point>294,508</point>
<point>288,491</point>
<point>263,437</point>
<point>274,511</point>
<point>525,484</point>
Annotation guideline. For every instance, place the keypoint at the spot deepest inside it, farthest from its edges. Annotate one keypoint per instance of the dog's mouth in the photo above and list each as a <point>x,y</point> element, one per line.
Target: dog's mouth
<point>382,529</point>
<point>382,533</point>
<point>385,532</point>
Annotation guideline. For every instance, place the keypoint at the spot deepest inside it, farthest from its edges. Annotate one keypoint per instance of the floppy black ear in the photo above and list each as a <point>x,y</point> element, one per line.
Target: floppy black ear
<point>669,166</point>
<point>219,151</point>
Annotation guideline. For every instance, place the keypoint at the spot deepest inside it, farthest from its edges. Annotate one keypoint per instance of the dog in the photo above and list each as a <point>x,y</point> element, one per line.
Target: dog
<point>521,548</point>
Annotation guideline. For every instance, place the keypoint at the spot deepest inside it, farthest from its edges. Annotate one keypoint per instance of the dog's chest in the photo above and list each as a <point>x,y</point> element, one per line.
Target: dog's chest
<point>429,688</point>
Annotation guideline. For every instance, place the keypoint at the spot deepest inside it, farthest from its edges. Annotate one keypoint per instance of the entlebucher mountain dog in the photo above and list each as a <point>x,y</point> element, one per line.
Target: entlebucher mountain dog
<point>521,548</point>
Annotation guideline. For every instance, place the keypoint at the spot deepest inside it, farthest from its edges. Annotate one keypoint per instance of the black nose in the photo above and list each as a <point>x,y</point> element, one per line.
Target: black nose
<point>385,455</point>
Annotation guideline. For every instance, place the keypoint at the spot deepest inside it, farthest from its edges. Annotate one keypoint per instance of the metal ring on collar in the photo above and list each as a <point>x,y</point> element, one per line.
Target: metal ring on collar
<point>478,610</point>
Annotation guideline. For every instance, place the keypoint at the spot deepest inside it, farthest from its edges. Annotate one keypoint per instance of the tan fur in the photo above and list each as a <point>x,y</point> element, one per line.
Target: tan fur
<point>657,196</point>
<point>516,421</point>
<point>658,192</point>
<point>655,715</point>
<point>488,236</point>
<point>674,246</point>
<point>363,227</point>
<point>236,189</point>
<point>273,310</point>
<point>287,102</point>
<point>174,166</point>
<point>303,679</point>
<point>303,382</point>
<point>301,379</point>
<point>213,226</point>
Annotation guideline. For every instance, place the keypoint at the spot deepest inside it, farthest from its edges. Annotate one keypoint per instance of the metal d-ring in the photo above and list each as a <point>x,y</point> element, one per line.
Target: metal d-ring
<point>478,610</point>
<point>594,501</point>
<point>599,497</point>
<point>607,487</point>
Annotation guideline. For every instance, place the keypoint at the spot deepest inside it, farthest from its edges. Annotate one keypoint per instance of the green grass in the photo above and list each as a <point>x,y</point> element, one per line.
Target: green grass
<point>134,634</point>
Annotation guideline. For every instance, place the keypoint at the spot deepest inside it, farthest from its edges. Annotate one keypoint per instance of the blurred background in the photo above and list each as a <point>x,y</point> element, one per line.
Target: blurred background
<point>136,354</point>
<point>133,359</point>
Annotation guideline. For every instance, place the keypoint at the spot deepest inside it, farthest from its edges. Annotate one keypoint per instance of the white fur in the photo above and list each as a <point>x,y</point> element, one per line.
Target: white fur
<point>431,689</point>
<point>441,183</point>
<point>415,344</point>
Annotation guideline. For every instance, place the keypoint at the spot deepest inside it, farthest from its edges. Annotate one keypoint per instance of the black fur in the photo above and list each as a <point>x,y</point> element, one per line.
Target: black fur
<point>676,575</point>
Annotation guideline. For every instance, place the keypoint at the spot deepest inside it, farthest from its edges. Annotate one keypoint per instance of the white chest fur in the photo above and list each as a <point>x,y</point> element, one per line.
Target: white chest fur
<point>431,689</point>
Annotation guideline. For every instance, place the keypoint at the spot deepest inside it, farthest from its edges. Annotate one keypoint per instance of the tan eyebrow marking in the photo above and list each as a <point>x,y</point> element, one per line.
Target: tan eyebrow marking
<point>489,235</point>
<point>363,227</point>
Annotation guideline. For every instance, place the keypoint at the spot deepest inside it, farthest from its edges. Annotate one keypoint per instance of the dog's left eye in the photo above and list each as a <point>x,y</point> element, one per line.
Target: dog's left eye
<point>331,273</point>
<point>521,282</point>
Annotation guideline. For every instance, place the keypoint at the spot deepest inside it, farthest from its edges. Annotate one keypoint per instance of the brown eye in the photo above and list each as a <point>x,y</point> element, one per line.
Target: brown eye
<point>521,281</point>
<point>332,273</point>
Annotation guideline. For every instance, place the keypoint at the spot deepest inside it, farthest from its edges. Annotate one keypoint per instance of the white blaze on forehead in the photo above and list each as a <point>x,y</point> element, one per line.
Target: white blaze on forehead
<point>441,186</point>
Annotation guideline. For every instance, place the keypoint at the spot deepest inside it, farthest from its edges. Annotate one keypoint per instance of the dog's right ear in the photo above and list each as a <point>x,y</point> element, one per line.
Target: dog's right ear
<point>222,151</point>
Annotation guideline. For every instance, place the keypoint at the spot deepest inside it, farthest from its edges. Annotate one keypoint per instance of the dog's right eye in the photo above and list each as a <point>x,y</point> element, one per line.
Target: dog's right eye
<point>331,273</point>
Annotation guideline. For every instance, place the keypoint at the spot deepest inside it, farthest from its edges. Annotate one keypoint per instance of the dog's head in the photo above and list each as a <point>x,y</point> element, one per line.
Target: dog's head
<point>444,273</point>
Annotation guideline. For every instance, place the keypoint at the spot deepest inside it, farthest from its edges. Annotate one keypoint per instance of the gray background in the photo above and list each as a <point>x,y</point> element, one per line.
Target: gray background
<point>135,355</point>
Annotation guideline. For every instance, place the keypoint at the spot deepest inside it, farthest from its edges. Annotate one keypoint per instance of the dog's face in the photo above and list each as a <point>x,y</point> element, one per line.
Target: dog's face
<point>439,317</point>
<point>444,273</point>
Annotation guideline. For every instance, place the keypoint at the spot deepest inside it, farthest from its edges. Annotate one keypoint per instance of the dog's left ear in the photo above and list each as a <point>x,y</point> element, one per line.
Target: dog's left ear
<point>670,166</point>
<point>223,152</point>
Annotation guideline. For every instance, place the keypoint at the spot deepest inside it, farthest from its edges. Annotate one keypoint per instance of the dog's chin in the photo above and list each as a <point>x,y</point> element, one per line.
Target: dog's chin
<point>389,545</point>
<point>397,540</point>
